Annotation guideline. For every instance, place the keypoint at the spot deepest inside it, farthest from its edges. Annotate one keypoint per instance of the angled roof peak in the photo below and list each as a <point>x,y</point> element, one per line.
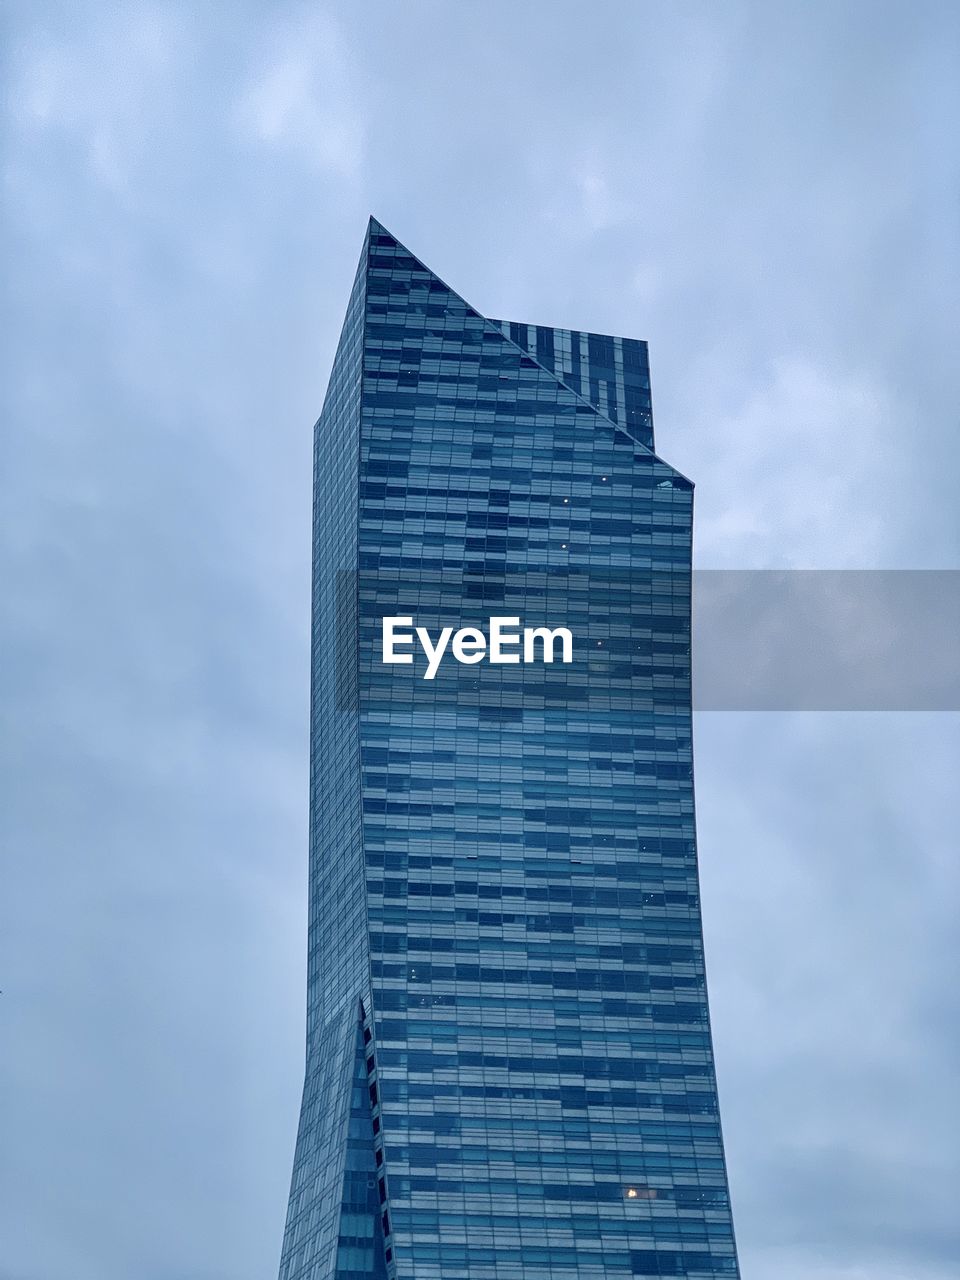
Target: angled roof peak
<point>576,374</point>
<point>376,231</point>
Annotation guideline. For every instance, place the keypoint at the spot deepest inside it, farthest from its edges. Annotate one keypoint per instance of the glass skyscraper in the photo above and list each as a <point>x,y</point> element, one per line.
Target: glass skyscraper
<point>509,1071</point>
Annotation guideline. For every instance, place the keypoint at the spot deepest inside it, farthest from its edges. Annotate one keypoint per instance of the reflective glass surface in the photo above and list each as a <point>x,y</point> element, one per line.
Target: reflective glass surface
<point>509,1071</point>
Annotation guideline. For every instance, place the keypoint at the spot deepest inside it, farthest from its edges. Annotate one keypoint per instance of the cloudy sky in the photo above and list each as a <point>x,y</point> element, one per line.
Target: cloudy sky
<point>768,193</point>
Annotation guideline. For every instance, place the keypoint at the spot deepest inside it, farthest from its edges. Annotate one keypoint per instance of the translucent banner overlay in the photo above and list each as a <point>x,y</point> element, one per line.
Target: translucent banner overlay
<point>759,640</point>
<point>826,640</point>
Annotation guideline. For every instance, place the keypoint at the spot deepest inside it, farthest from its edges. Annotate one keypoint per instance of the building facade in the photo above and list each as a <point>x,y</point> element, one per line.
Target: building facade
<point>509,1072</point>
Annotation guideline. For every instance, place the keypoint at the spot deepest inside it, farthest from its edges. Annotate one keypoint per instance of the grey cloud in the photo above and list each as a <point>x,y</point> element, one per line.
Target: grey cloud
<point>767,194</point>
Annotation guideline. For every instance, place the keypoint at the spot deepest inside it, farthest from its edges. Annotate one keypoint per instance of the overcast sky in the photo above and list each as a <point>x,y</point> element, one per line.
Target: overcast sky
<point>766,192</point>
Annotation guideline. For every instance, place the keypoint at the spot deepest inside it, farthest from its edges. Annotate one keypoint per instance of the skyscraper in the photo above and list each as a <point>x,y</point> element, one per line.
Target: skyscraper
<point>509,1071</point>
